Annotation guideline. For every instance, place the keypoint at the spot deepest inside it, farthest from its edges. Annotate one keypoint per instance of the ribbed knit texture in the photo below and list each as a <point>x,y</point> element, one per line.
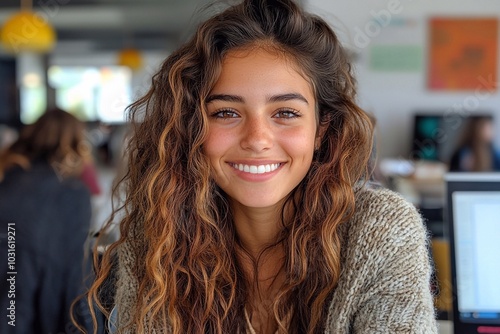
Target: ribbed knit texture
<point>384,285</point>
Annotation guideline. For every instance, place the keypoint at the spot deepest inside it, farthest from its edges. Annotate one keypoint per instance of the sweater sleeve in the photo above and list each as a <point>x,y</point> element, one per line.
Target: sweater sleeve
<point>127,291</point>
<point>392,254</point>
<point>127,286</point>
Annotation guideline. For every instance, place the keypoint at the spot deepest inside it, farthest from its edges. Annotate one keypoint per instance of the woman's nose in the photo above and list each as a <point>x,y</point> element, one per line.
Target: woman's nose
<point>257,134</point>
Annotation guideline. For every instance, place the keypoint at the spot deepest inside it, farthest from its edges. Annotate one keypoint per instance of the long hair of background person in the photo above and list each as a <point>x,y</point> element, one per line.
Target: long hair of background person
<point>57,138</point>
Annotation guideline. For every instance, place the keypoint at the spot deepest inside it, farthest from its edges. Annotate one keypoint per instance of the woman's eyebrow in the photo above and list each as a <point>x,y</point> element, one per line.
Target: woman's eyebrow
<point>273,98</point>
<point>225,97</point>
<point>288,97</point>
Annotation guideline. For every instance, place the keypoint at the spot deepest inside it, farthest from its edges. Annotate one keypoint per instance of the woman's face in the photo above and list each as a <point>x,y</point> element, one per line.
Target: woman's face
<point>262,128</point>
<point>486,131</point>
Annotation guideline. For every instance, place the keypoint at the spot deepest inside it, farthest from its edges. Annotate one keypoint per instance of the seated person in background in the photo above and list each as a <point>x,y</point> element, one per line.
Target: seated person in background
<point>476,152</point>
<point>48,207</point>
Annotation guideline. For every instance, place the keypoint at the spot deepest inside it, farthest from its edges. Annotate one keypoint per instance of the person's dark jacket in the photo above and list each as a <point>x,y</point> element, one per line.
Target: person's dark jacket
<point>51,218</point>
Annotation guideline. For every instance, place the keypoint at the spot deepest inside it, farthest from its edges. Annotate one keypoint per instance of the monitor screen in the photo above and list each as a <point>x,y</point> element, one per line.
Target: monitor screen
<point>474,234</point>
<point>476,216</point>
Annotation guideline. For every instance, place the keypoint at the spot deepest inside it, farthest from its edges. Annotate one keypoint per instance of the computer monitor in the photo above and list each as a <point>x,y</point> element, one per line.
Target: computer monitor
<point>474,234</point>
<point>436,135</point>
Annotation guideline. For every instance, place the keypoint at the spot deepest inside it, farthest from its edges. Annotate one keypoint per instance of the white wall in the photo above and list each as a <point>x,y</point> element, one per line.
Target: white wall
<point>393,97</point>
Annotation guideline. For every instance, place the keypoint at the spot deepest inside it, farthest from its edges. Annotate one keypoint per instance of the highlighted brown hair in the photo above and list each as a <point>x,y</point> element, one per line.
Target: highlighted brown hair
<point>178,225</point>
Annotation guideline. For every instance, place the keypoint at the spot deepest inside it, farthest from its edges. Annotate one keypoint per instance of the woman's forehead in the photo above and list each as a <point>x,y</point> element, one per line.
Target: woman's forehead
<point>275,51</point>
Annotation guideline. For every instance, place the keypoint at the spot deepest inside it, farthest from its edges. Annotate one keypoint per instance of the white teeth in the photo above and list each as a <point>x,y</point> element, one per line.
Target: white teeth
<point>260,169</point>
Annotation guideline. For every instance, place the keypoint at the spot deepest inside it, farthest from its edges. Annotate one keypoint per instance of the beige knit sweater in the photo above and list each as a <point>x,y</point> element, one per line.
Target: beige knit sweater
<point>384,285</point>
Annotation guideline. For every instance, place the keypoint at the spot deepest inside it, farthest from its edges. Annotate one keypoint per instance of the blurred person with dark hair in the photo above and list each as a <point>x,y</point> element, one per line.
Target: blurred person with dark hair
<point>476,152</point>
<point>45,208</point>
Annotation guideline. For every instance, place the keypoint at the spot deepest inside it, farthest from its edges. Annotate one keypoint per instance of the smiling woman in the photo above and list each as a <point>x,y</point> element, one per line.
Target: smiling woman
<point>248,209</point>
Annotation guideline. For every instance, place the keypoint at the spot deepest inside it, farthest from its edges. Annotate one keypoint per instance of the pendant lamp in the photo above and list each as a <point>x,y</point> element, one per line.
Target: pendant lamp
<point>27,31</point>
<point>131,58</point>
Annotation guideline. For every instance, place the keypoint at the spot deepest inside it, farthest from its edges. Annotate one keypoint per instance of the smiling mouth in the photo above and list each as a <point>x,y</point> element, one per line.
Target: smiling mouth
<point>256,169</point>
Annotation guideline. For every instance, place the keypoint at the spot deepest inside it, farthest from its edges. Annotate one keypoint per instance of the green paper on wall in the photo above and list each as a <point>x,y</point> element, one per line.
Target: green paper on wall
<point>396,58</point>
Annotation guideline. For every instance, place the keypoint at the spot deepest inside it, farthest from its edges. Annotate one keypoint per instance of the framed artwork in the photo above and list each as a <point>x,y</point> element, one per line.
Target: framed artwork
<point>463,54</point>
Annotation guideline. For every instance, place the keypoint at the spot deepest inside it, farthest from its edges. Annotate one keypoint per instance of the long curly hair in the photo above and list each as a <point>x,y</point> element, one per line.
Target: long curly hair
<point>178,224</point>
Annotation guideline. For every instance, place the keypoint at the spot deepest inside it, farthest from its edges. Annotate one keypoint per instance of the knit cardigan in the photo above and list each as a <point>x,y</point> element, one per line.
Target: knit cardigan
<point>384,286</point>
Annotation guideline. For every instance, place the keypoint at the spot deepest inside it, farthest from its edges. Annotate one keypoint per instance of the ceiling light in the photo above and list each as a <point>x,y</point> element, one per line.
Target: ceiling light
<point>27,31</point>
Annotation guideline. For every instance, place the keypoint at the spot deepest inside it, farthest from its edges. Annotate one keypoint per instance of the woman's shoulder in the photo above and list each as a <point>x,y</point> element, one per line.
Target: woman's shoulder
<point>380,201</point>
<point>384,232</point>
<point>384,285</point>
<point>43,183</point>
<point>381,215</point>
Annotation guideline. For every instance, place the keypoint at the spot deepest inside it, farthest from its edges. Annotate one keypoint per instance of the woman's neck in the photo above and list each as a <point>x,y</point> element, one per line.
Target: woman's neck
<point>257,228</point>
<point>261,259</point>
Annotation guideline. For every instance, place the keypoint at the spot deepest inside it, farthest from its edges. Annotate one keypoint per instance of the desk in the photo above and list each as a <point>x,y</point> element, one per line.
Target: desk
<point>421,190</point>
<point>445,327</point>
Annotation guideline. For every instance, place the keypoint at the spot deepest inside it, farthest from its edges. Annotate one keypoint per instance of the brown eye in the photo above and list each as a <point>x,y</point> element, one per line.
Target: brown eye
<point>287,114</point>
<point>225,113</point>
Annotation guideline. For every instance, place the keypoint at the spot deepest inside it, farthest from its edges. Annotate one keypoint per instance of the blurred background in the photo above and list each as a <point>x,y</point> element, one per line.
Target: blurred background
<point>427,71</point>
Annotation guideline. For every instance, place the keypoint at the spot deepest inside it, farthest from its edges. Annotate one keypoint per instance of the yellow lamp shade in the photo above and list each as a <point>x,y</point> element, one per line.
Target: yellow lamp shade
<point>27,31</point>
<point>131,58</point>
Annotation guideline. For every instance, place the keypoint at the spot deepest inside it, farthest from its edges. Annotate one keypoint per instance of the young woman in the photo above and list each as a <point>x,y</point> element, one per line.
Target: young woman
<point>246,208</point>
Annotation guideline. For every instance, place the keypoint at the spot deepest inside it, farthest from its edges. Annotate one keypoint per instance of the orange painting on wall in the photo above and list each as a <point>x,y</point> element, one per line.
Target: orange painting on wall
<point>463,54</point>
